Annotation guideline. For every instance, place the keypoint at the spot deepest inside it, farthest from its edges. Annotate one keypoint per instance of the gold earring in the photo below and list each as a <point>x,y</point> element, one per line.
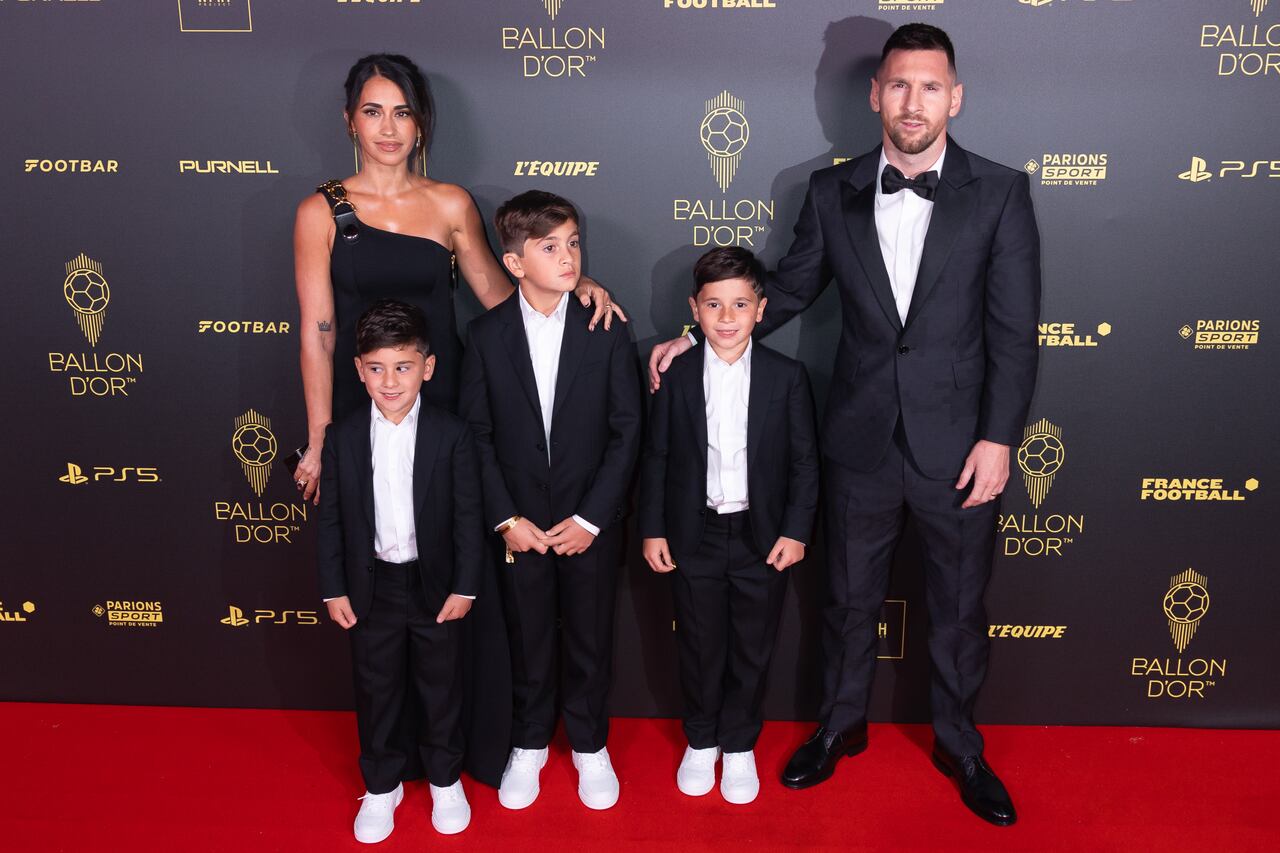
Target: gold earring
<point>355,149</point>
<point>422,156</point>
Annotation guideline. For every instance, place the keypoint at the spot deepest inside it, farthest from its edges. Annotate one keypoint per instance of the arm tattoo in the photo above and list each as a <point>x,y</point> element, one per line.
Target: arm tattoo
<point>324,325</point>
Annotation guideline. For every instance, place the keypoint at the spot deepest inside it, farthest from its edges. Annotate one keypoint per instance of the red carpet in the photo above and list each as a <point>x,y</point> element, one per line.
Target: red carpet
<point>82,778</point>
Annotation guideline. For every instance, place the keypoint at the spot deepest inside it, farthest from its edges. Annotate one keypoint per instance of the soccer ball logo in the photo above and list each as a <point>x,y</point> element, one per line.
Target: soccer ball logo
<point>1041,455</point>
<point>724,132</point>
<point>86,291</point>
<point>254,445</point>
<point>1186,603</point>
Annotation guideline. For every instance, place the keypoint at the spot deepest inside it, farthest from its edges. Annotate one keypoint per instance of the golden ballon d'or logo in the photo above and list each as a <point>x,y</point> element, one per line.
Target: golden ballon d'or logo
<point>87,292</point>
<point>254,445</point>
<point>552,7</point>
<point>1257,6</point>
<point>1185,604</point>
<point>1040,456</point>
<point>724,133</point>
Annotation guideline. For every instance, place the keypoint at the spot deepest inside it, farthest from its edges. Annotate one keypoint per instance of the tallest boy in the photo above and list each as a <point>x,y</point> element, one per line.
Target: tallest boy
<point>936,255</point>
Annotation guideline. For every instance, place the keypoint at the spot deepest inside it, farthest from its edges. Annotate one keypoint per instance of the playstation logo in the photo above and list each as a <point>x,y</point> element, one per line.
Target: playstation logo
<point>74,476</point>
<point>1197,172</point>
<point>235,618</point>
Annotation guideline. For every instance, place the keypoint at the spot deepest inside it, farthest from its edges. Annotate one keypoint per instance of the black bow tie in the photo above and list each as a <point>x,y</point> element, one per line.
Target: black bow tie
<point>922,185</point>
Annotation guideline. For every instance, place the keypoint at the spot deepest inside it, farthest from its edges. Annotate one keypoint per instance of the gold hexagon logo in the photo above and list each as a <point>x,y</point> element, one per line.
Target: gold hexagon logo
<point>1251,484</point>
<point>1185,604</point>
<point>254,445</point>
<point>1104,329</point>
<point>28,607</point>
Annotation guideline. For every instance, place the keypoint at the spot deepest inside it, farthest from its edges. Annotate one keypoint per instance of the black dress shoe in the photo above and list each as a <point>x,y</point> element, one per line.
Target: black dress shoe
<point>980,789</point>
<point>816,758</point>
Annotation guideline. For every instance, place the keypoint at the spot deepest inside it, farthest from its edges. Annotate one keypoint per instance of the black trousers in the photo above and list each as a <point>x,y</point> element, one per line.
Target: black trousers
<point>865,513</point>
<point>395,648</point>
<point>728,602</point>
<point>578,593</point>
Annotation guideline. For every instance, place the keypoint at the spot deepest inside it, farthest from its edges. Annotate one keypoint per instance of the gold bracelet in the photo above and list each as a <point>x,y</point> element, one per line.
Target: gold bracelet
<point>508,524</point>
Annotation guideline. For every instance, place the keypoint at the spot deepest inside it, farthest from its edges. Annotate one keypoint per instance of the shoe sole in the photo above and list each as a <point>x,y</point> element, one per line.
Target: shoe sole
<point>997,821</point>
<point>849,752</point>
<point>695,792</point>
<point>598,806</point>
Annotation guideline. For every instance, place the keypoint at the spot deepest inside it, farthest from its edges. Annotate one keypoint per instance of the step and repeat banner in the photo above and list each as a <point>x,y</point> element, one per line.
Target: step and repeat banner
<point>156,552</point>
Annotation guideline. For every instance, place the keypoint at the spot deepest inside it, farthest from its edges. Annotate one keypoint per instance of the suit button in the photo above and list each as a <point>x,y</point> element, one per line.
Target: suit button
<point>903,350</point>
<point>541,446</point>
<point>702,511</point>
<point>542,487</point>
<point>370,568</point>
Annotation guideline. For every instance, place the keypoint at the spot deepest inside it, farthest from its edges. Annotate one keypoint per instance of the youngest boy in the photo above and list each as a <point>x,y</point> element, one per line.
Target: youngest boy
<point>729,486</point>
<point>400,550</point>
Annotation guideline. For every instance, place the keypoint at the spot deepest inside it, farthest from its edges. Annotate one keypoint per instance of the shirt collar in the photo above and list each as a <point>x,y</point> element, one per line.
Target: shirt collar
<point>884,161</point>
<point>531,313</point>
<point>714,360</point>
<point>410,419</point>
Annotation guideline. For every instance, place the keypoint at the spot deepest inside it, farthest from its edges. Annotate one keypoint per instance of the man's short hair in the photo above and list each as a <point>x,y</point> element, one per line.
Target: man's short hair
<point>725,263</point>
<point>392,324</point>
<point>531,215</point>
<point>919,37</point>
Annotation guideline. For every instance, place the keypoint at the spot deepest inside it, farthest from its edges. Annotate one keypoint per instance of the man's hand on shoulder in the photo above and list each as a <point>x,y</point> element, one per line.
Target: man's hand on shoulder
<point>988,468</point>
<point>662,356</point>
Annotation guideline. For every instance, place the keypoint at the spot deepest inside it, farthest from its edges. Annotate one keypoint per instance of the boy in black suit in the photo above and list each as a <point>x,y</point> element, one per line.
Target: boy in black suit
<point>400,548</point>
<point>556,414</point>
<point>728,515</point>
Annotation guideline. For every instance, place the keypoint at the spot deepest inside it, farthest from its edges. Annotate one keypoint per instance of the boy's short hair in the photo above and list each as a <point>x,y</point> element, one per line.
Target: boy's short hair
<point>531,215</point>
<point>728,262</point>
<point>394,324</point>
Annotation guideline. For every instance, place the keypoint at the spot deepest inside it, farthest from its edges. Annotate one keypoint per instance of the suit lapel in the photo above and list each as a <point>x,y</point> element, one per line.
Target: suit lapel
<point>362,436</point>
<point>858,197</point>
<point>952,206</point>
<point>758,400</point>
<point>517,346</point>
<point>572,347</point>
<point>426,445</point>
<point>690,385</point>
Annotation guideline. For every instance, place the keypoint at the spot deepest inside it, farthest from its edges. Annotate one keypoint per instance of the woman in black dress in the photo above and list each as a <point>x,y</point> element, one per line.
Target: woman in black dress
<point>389,231</point>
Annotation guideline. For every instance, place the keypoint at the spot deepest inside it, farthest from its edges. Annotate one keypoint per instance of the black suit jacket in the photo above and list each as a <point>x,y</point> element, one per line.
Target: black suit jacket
<point>595,422</point>
<point>446,503</point>
<point>782,480</point>
<point>963,365</point>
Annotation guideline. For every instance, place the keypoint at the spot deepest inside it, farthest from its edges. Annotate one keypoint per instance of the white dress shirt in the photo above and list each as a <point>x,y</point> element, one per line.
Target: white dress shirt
<point>727,391</point>
<point>545,334</point>
<point>902,221</point>
<point>395,539</point>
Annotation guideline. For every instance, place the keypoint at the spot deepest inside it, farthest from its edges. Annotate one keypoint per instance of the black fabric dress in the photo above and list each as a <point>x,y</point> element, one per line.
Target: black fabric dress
<point>382,264</point>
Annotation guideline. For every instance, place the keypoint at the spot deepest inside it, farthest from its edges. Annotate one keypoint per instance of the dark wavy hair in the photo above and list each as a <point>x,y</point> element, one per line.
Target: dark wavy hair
<point>392,324</point>
<point>402,71</point>
<point>919,37</point>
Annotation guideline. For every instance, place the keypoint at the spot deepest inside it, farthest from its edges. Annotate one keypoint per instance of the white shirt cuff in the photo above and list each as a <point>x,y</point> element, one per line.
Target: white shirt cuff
<point>692,340</point>
<point>586,525</point>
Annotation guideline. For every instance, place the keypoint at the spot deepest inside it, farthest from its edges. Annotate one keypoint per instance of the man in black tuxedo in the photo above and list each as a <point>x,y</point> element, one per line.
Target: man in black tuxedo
<point>556,413</point>
<point>936,254</point>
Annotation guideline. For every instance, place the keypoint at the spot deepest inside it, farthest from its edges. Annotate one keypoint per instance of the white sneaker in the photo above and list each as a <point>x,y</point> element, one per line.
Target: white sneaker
<point>697,773</point>
<point>377,815</point>
<point>739,783</point>
<point>450,811</point>
<point>519,786</point>
<point>597,783</point>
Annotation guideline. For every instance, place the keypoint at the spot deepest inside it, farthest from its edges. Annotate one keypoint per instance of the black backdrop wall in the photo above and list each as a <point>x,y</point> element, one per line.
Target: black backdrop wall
<point>153,154</point>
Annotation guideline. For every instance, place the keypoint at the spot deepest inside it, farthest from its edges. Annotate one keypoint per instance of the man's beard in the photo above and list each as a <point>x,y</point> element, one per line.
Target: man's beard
<point>909,145</point>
